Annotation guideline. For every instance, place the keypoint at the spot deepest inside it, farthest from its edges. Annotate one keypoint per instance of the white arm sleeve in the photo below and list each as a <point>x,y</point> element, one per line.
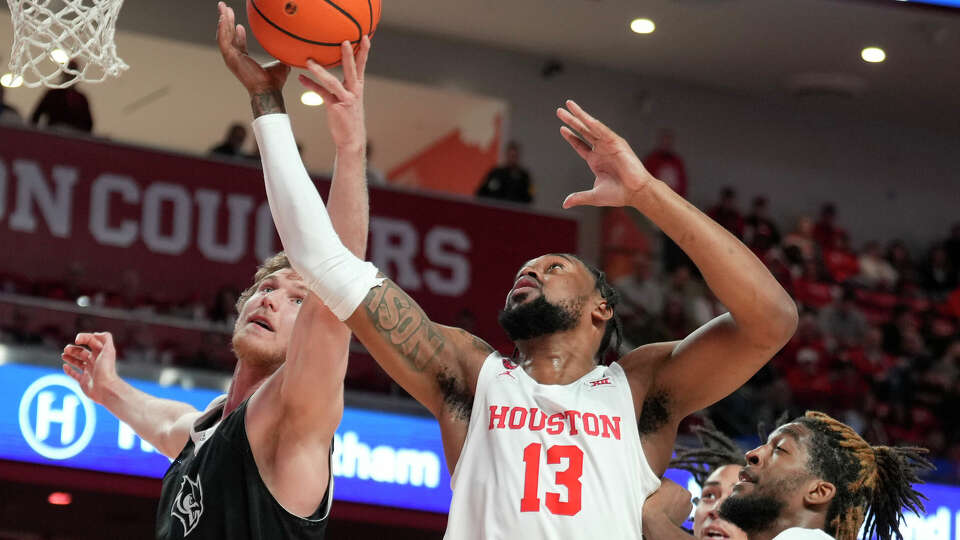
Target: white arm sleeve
<point>335,275</point>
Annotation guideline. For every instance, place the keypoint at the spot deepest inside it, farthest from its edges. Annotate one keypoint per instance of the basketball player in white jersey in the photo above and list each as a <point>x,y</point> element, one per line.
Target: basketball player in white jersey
<point>255,465</point>
<point>816,478</point>
<point>547,444</point>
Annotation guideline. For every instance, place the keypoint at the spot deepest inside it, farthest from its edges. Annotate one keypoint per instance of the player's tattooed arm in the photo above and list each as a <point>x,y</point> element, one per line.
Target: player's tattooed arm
<point>399,320</point>
<point>267,102</point>
<point>263,83</point>
<point>438,365</point>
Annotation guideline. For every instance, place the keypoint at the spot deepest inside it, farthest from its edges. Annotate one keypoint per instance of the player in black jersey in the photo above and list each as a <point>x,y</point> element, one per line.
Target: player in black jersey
<point>255,464</point>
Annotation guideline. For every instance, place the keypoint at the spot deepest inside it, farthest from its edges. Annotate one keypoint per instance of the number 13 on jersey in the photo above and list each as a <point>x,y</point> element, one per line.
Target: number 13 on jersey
<point>569,477</point>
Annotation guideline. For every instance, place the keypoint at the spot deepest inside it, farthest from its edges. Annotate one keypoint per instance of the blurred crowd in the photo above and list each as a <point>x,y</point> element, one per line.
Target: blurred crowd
<point>149,328</point>
<point>878,343</point>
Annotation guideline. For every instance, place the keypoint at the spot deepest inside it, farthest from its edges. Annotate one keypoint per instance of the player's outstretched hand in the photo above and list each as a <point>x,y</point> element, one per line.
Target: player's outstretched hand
<point>232,39</point>
<point>620,174</point>
<point>344,100</point>
<point>92,362</point>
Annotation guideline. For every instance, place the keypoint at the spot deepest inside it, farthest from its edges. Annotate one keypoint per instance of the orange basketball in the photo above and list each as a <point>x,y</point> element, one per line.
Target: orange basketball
<point>294,30</point>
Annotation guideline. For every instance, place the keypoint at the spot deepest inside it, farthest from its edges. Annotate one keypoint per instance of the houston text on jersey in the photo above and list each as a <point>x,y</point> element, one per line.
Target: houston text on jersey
<point>574,422</point>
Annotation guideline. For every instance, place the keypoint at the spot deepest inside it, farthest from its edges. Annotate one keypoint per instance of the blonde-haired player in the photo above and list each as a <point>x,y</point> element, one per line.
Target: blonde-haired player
<point>256,464</point>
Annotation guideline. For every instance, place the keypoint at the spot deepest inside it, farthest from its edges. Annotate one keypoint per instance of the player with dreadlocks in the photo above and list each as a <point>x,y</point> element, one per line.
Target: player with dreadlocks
<point>816,478</point>
<point>716,467</point>
<point>553,443</point>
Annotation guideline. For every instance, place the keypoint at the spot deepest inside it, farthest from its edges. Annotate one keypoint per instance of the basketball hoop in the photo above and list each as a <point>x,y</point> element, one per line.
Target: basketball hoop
<point>48,34</point>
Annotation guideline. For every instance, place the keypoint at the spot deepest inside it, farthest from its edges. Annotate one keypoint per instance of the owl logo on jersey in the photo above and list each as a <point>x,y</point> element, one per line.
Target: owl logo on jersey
<point>188,504</point>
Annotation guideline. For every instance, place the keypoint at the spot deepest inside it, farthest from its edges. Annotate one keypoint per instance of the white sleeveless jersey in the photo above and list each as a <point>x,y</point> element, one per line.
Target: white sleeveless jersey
<point>550,461</point>
<point>797,533</point>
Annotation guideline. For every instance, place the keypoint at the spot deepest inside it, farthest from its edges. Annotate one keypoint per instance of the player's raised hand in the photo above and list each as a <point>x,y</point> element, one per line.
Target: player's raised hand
<point>344,100</point>
<point>92,362</point>
<point>620,174</point>
<point>232,39</point>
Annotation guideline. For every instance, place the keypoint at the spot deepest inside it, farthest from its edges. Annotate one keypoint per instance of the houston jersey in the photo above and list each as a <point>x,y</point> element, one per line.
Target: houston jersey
<point>797,533</point>
<point>550,461</point>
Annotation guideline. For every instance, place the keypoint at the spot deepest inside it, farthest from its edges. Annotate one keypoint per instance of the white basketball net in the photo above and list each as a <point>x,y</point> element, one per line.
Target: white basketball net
<point>48,33</point>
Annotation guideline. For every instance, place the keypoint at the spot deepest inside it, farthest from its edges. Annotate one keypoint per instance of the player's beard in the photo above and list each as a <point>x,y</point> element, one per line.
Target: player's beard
<point>539,318</point>
<point>253,353</point>
<point>753,513</point>
<point>757,511</point>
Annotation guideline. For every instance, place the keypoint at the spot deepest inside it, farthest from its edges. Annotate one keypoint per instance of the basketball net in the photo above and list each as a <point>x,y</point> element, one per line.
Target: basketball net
<point>47,34</point>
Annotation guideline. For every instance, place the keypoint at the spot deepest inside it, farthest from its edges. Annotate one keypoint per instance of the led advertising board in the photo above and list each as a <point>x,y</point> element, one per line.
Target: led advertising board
<point>948,3</point>
<point>379,457</point>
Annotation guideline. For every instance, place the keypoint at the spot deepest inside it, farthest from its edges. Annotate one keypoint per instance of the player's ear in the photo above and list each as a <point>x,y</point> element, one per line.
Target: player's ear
<point>602,311</point>
<point>819,492</point>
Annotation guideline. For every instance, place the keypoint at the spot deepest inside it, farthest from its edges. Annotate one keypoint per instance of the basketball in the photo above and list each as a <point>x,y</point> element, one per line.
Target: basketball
<point>294,30</point>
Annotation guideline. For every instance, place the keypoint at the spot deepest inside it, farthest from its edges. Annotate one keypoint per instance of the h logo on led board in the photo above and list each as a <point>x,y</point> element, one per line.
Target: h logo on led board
<point>56,401</point>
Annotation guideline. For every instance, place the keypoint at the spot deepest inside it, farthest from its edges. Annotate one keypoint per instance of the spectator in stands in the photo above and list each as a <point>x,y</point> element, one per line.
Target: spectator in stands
<point>901,321</point>
<point>725,212</point>
<point>952,245</point>
<point>643,299</point>
<point>64,108</point>
<point>641,293</point>
<point>914,346</point>
<point>825,232</point>
<point>691,294</point>
<point>843,321</point>
<point>809,383</point>
<point>664,163</point>
<point>761,232</point>
<point>875,271</point>
<point>674,323</point>
<point>899,258</point>
<point>839,260</point>
<point>802,239</point>
<point>938,275</point>
<point>808,341</point>
<point>232,144</point>
<point>849,389</point>
<point>8,114</point>
<point>224,306</point>
<point>779,266</point>
<point>130,293</point>
<point>810,289</point>
<point>949,364</point>
<point>510,182</point>
<point>13,325</point>
<point>869,358</point>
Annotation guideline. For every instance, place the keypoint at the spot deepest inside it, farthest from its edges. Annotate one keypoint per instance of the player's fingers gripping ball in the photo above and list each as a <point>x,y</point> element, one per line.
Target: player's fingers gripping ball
<point>294,30</point>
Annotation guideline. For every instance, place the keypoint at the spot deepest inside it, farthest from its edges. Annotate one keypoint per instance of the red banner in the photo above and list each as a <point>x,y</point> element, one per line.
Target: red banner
<point>91,213</point>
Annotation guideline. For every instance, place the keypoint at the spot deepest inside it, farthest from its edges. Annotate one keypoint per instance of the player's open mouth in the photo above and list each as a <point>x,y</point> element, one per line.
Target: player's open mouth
<point>714,532</point>
<point>523,287</point>
<point>261,322</point>
<point>526,282</point>
<point>746,476</point>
